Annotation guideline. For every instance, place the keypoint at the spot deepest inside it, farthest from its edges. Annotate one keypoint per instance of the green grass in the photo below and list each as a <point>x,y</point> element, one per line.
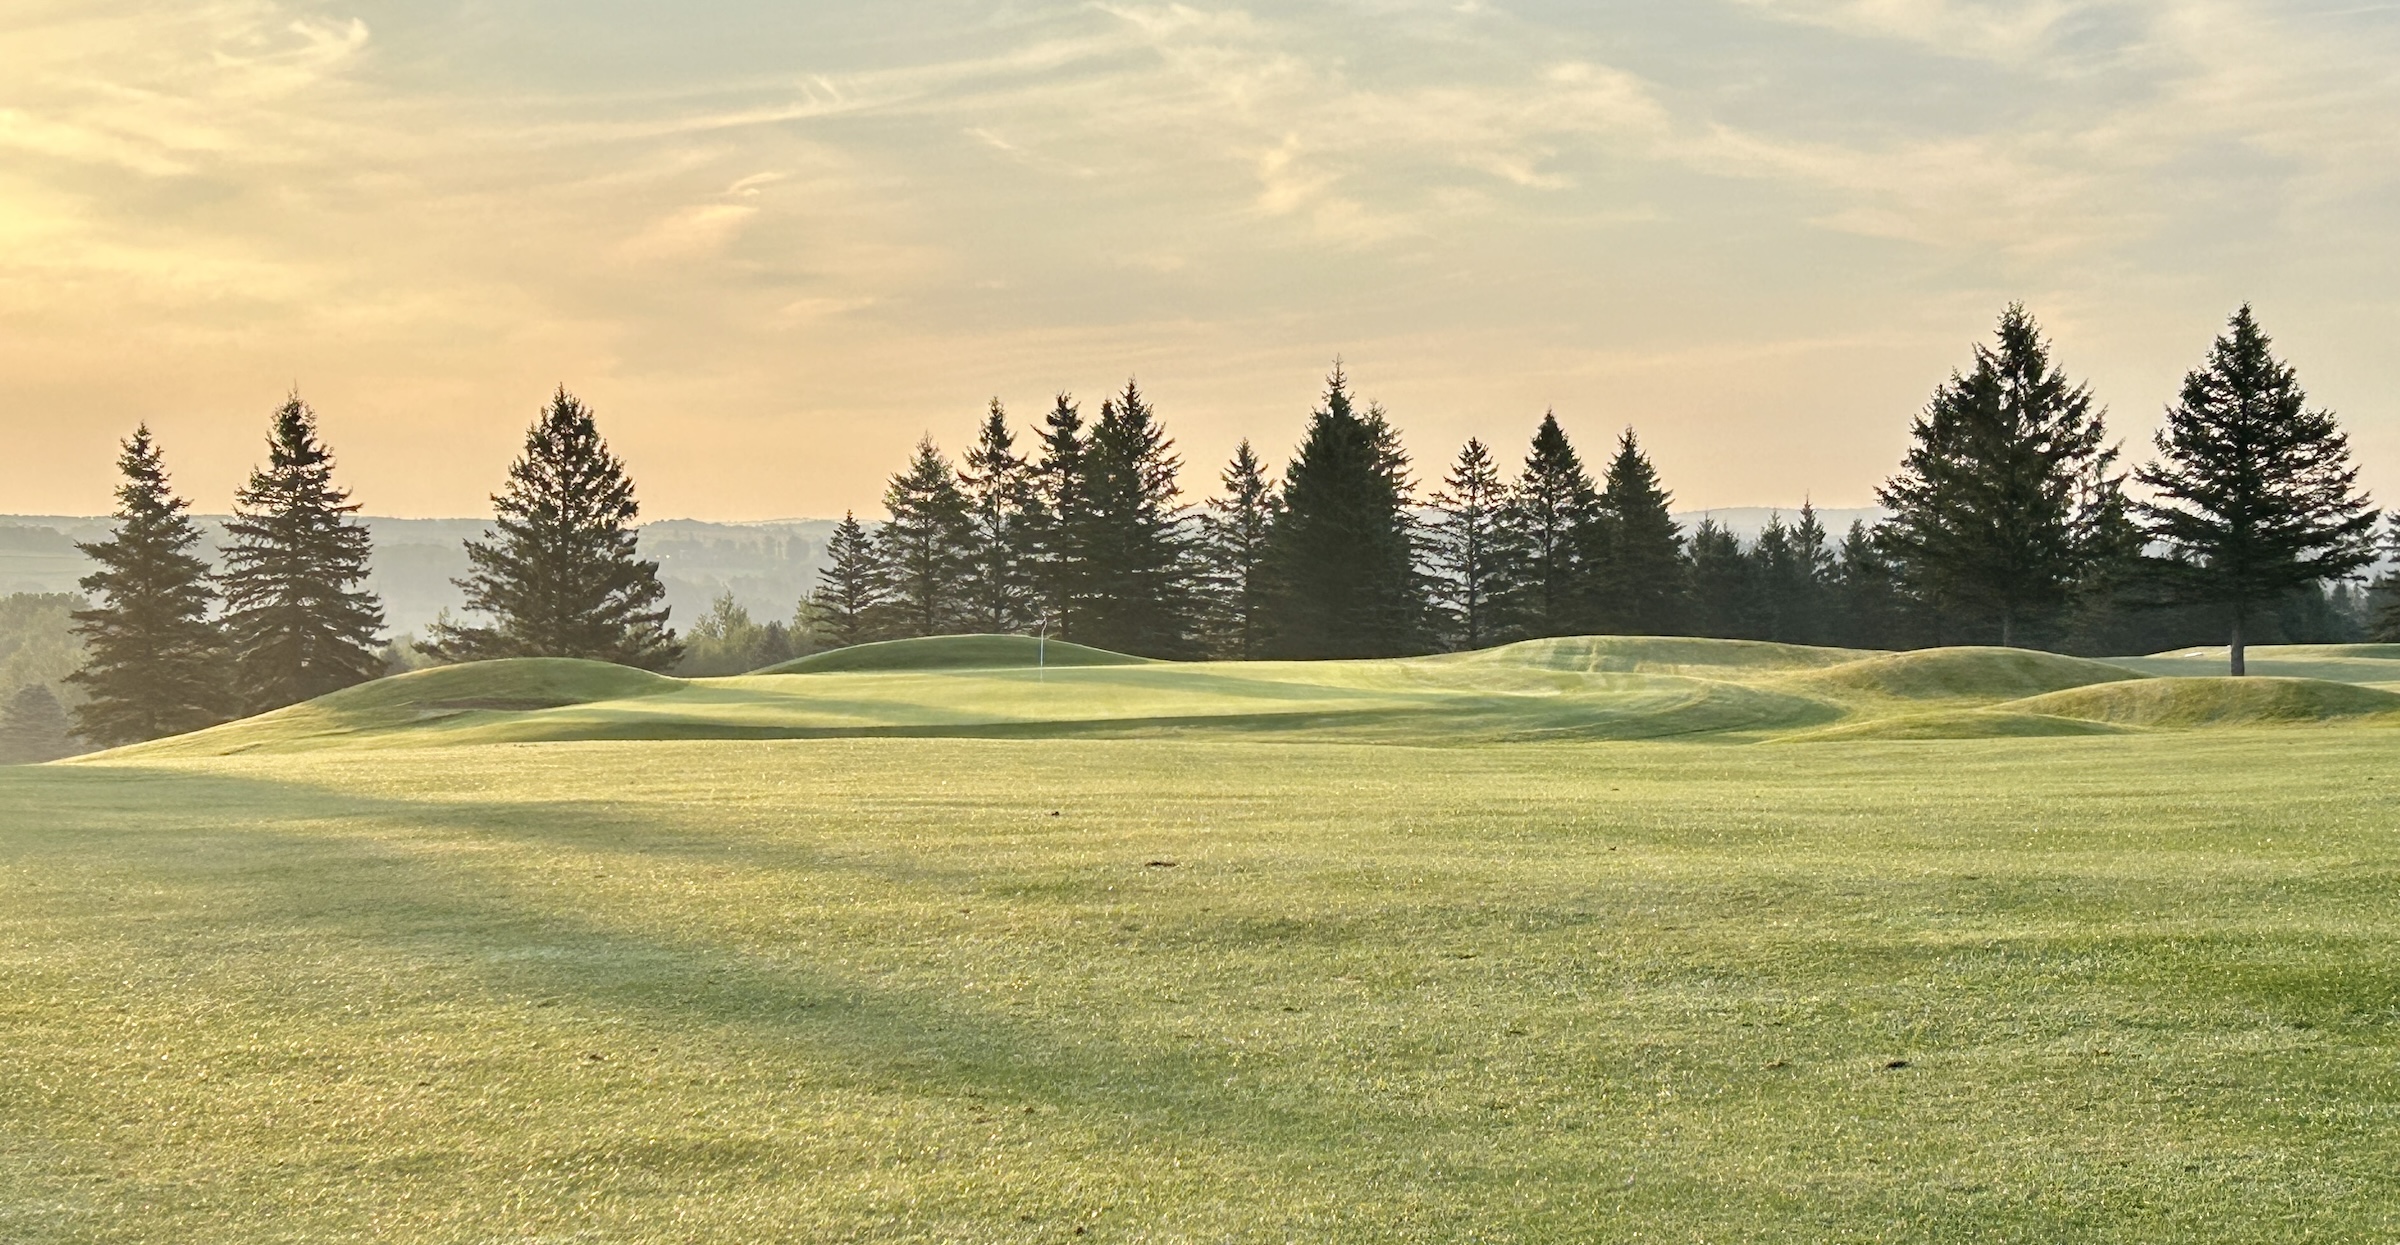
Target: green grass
<point>1259,982</point>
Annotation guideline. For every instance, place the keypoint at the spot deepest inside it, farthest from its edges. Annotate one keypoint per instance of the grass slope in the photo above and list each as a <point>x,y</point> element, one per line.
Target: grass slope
<point>2146,988</point>
<point>953,652</point>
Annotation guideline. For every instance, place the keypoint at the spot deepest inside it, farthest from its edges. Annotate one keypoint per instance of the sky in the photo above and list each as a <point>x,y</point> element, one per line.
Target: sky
<point>773,244</point>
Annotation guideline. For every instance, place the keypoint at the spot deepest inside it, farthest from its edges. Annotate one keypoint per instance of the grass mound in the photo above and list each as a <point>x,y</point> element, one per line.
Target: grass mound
<point>1636,654</point>
<point>1957,724</point>
<point>1989,675</point>
<point>953,652</point>
<point>2196,702</point>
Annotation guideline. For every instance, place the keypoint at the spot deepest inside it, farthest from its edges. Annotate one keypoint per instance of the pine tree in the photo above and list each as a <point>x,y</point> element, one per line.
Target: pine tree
<point>1985,505</point>
<point>849,593</point>
<point>1548,525</point>
<point>296,619</point>
<point>1722,584</point>
<point>561,575</point>
<point>1464,547</point>
<point>2256,492</point>
<point>1865,593</point>
<point>921,550</point>
<point>1001,595</point>
<point>1793,566</point>
<point>34,728</point>
<point>1341,559</point>
<point>1059,520</point>
<point>155,663</point>
<point>1136,540</point>
<point>1233,547</point>
<point>1641,572</point>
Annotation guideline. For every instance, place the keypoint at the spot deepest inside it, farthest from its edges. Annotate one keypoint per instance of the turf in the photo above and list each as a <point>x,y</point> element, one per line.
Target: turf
<point>1262,984</point>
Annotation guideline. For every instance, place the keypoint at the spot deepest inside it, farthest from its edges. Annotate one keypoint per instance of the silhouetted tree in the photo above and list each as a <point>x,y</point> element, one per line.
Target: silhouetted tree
<point>1341,558</point>
<point>1001,595</point>
<point>849,592</point>
<point>1464,548</point>
<point>1985,505</point>
<point>1640,576</point>
<point>298,621</point>
<point>155,664</point>
<point>1865,592</point>
<point>1548,528</point>
<point>1722,584</point>
<point>1233,548</point>
<point>921,549</point>
<point>1060,520</point>
<point>561,575</point>
<point>1136,542</point>
<point>2256,492</point>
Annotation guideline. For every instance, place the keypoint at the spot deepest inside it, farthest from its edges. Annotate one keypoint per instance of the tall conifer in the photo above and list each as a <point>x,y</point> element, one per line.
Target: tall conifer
<point>560,575</point>
<point>154,662</point>
<point>1136,541</point>
<point>1722,584</point>
<point>34,727</point>
<point>1233,547</point>
<point>2256,493</point>
<point>921,548</point>
<point>1059,520</point>
<point>849,594</point>
<point>1548,526</point>
<point>1341,559</point>
<point>296,617</point>
<point>1464,546</point>
<point>1001,595</point>
<point>1640,577</point>
<point>1986,503</point>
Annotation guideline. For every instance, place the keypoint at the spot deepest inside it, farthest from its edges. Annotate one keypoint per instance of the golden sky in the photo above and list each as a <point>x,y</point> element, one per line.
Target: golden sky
<point>774,243</point>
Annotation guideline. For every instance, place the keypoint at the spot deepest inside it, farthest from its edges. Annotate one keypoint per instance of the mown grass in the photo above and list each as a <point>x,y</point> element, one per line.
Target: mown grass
<point>2146,987</point>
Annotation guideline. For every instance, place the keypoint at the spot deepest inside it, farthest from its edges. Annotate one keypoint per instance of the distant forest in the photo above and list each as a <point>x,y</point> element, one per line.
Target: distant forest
<point>2009,522</point>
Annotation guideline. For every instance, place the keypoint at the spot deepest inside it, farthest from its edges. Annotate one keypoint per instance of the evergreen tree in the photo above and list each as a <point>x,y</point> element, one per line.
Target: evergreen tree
<point>1641,571</point>
<point>1722,584</point>
<point>849,593</point>
<point>34,728</point>
<point>2256,493</point>
<point>1136,541</point>
<point>1059,520</point>
<point>155,663</point>
<point>1865,594</point>
<point>1792,568</point>
<point>1985,504</point>
<point>1233,547</point>
<point>561,575</point>
<point>727,640</point>
<point>921,550</point>
<point>296,618</point>
<point>1001,595</point>
<point>1464,546</point>
<point>1548,529</point>
<point>1341,559</point>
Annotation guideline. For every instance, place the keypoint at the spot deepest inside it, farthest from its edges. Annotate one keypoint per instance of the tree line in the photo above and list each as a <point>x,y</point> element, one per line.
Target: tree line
<point>2010,523</point>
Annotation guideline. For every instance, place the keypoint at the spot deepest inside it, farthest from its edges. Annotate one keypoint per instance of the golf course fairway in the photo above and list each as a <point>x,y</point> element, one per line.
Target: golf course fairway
<point>979,940</point>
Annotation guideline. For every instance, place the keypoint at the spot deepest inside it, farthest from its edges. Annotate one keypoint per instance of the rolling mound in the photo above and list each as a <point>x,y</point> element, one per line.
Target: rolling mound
<point>2199,702</point>
<point>1633,654</point>
<point>1986,675</point>
<point>1956,724</point>
<point>953,652</point>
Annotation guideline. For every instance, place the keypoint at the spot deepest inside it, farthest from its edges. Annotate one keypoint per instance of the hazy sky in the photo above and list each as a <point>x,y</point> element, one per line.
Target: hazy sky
<point>773,243</point>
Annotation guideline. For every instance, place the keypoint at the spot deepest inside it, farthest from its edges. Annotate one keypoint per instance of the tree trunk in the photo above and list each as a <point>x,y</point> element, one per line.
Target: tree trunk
<point>2239,667</point>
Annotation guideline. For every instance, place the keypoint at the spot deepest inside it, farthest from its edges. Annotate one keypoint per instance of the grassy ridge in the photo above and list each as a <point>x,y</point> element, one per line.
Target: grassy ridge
<point>1589,688</point>
<point>2147,988</point>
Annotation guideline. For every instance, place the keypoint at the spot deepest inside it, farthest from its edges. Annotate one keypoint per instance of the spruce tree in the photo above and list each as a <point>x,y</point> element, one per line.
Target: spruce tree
<point>1640,577</point>
<point>1465,548</point>
<point>1865,594</point>
<point>1233,546</point>
<point>297,621</point>
<point>1000,593</point>
<point>1986,503</point>
<point>921,550</point>
<point>1136,543</point>
<point>849,595</point>
<point>1793,567</point>
<point>154,664</point>
<point>1722,584</point>
<point>560,574</point>
<point>1548,525</point>
<point>1059,520</point>
<point>34,727</point>
<point>2256,494</point>
<point>1341,559</point>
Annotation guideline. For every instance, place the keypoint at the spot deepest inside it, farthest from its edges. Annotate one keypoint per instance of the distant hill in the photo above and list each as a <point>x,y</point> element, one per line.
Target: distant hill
<point>767,566</point>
